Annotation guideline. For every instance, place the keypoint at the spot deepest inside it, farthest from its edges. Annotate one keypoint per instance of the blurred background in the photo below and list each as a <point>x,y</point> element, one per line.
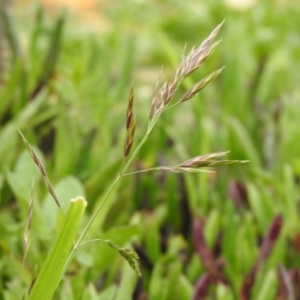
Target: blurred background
<point>66,68</point>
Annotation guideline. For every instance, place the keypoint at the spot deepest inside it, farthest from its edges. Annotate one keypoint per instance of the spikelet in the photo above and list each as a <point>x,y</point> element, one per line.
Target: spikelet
<point>41,169</point>
<point>130,124</point>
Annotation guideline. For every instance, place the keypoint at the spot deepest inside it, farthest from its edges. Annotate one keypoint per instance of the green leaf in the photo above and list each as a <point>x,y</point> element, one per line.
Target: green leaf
<point>127,285</point>
<point>52,271</point>
<point>66,189</point>
<point>109,293</point>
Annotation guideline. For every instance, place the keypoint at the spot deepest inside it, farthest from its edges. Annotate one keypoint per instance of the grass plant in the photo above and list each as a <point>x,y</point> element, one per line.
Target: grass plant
<point>230,234</point>
<point>60,256</point>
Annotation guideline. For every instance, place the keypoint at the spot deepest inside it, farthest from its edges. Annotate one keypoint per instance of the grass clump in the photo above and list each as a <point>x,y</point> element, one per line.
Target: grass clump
<point>228,235</point>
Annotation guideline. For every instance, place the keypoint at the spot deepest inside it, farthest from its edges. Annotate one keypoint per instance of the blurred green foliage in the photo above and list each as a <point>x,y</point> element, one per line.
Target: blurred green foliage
<point>66,89</point>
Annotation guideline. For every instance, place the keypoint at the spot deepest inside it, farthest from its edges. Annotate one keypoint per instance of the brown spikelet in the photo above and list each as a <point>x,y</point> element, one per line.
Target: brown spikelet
<point>158,101</point>
<point>173,84</point>
<point>41,169</point>
<point>197,57</point>
<point>200,85</point>
<point>196,164</point>
<point>188,64</point>
<point>26,237</point>
<point>129,137</point>
<point>209,160</point>
<point>130,124</point>
<point>129,108</point>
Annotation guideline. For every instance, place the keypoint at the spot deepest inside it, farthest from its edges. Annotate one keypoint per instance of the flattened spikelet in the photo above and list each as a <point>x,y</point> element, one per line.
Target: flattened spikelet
<point>200,85</point>
<point>130,124</point>
<point>129,137</point>
<point>129,108</point>
<point>41,169</point>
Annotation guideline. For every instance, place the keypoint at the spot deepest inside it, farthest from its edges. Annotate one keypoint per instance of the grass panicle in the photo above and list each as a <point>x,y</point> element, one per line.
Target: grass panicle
<point>41,169</point>
<point>163,93</point>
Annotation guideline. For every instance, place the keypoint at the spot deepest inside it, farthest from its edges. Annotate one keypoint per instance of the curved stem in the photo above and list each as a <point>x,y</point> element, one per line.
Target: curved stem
<point>142,171</point>
<point>91,241</point>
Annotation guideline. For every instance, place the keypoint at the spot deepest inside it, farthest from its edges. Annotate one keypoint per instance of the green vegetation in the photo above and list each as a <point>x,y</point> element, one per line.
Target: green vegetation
<point>232,234</point>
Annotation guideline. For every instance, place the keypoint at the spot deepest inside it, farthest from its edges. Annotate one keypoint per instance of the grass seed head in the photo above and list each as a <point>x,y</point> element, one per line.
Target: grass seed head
<point>129,137</point>
<point>188,64</point>
<point>200,85</point>
<point>129,108</point>
<point>130,124</point>
<point>203,160</point>
<point>41,169</point>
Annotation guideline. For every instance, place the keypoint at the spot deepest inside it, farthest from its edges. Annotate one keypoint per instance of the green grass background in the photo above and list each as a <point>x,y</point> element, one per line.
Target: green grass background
<point>76,124</point>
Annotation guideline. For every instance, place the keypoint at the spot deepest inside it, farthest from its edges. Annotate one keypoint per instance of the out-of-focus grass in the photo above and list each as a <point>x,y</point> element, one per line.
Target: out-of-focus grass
<point>77,124</point>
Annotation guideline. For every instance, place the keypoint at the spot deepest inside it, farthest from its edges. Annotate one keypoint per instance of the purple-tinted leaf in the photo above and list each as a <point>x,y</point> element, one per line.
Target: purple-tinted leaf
<point>265,250</point>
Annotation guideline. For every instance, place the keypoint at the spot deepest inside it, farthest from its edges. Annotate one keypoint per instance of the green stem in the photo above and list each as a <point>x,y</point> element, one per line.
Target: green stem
<point>124,167</point>
<point>112,186</point>
<point>142,171</point>
<point>94,240</point>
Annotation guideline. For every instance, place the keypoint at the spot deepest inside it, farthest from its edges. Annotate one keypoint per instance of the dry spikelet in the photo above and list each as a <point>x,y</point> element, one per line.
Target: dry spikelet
<point>196,58</point>
<point>129,108</point>
<point>203,160</point>
<point>188,64</point>
<point>196,163</point>
<point>209,160</point>
<point>130,124</point>
<point>200,85</point>
<point>129,137</point>
<point>41,169</point>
